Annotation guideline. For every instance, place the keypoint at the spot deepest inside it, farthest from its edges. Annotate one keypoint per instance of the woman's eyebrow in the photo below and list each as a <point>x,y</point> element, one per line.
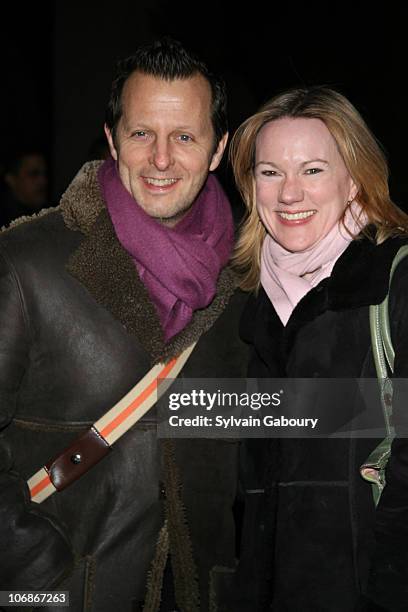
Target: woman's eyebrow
<point>308,161</point>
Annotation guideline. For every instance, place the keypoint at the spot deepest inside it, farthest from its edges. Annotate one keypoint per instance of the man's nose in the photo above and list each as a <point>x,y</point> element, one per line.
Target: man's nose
<point>162,156</point>
<point>290,190</point>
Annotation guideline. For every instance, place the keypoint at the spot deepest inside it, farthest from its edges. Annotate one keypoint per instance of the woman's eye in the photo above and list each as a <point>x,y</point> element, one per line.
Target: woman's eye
<point>268,173</point>
<point>313,170</point>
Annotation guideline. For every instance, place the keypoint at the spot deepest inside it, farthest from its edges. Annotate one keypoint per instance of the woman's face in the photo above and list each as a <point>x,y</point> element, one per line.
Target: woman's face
<point>302,183</point>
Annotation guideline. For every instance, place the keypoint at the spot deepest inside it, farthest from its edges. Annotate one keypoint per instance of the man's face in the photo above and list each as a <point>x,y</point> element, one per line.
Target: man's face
<point>164,143</point>
<point>29,184</point>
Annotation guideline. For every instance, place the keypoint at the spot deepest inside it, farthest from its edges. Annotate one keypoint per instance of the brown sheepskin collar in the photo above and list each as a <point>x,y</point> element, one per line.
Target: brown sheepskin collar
<point>102,265</point>
<point>82,202</point>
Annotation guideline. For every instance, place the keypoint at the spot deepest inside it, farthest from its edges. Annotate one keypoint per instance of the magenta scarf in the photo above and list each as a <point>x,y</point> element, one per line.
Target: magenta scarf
<point>179,266</point>
<point>287,277</point>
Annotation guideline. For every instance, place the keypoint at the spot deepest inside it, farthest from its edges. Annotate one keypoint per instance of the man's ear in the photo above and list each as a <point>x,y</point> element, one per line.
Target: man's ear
<point>112,147</point>
<point>217,156</point>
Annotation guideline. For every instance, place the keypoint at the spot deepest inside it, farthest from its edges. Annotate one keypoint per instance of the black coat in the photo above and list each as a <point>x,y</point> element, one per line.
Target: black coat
<point>312,540</point>
<point>77,331</point>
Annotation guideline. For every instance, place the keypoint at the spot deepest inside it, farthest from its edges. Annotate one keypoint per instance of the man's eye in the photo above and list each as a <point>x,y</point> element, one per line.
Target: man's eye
<point>313,170</point>
<point>185,138</point>
<point>140,134</point>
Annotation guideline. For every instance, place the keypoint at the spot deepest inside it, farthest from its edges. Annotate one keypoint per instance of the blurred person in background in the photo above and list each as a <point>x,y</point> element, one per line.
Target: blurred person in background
<point>26,184</point>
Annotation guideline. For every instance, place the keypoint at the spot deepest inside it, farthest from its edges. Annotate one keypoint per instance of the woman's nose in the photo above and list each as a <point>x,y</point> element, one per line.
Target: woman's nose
<point>290,191</point>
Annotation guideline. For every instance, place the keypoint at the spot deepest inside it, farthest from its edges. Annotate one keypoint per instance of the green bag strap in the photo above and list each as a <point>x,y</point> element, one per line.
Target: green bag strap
<point>383,317</point>
<point>373,469</point>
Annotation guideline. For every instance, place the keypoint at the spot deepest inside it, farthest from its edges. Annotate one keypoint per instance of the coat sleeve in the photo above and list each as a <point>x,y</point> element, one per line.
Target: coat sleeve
<point>388,583</point>
<point>35,553</point>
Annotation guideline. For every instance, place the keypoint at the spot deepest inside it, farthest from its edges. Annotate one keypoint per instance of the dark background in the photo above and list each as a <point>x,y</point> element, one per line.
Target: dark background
<point>59,59</point>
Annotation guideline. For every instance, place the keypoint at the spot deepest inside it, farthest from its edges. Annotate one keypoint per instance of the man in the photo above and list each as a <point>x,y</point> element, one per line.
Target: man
<point>27,183</point>
<point>128,271</point>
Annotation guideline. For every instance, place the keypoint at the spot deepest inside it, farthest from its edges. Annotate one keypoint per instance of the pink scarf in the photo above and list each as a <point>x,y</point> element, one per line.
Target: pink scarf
<point>287,277</point>
<point>179,266</point>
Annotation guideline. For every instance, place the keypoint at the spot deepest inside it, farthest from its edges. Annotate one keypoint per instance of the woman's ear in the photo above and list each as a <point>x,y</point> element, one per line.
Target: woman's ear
<point>353,192</point>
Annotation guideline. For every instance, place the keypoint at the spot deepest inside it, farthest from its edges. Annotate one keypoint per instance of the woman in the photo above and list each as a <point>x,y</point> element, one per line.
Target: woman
<point>316,250</point>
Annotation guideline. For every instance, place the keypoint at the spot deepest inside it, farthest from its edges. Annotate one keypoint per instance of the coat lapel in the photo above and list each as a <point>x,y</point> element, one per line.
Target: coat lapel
<point>361,275</point>
<point>359,278</point>
<point>107,271</point>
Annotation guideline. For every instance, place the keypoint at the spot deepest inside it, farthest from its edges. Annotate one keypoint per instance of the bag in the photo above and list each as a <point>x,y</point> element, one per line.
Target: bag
<point>373,469</point>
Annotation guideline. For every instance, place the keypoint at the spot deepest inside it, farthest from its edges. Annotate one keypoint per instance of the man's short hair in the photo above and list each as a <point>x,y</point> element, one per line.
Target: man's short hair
<point>167,59</point>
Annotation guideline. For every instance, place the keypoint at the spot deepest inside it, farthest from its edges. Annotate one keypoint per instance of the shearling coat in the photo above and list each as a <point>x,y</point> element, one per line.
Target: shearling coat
<point>77,331</point>
<point>312,540</point>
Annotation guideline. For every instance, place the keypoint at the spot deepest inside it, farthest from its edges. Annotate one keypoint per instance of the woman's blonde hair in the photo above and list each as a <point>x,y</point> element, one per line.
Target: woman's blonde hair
<point>359,149</point>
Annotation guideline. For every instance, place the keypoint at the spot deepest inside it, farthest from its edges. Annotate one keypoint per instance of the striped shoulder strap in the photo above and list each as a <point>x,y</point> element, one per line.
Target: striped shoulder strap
<point>97,441</point>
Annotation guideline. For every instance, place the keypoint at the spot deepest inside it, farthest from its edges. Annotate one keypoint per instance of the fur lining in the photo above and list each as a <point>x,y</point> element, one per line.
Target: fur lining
<point>156,573</point>
<point>25,218</point>
<point>82,202</point>
<point>80,205</point>
<point>202,319</point>
<point>108,272</point>
<point>181,550</point>
<point>90,570</point>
